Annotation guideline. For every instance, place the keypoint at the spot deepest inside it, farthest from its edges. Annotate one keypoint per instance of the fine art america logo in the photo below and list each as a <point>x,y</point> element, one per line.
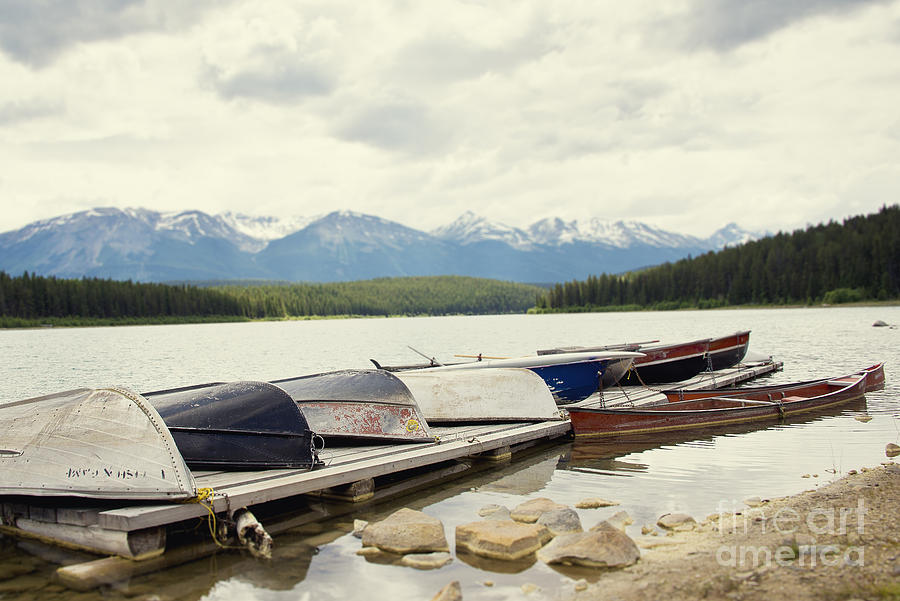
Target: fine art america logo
<point>796,547</point>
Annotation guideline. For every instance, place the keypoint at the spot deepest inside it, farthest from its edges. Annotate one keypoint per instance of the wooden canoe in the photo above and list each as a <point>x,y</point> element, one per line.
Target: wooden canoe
<point>874,381</point>
<point>714,410</point>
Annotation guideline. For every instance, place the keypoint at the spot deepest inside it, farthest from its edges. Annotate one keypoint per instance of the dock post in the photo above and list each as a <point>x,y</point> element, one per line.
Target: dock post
<point>355,492</point>
<point>497,455</point>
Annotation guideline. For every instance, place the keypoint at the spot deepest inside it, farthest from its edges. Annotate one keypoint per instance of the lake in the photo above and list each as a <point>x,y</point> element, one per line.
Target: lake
<point>698,475</point>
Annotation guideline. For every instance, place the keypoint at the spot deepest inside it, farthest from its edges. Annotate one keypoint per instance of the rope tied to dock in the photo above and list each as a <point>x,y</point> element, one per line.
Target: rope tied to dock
<point>205,498</point>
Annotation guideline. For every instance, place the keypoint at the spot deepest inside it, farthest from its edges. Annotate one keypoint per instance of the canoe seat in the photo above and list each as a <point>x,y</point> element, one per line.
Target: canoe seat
<point>791,399</point>
<point>841,381</point>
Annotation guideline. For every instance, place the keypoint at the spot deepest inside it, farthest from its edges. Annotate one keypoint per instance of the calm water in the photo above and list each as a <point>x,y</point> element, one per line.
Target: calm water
<point>698,475</point>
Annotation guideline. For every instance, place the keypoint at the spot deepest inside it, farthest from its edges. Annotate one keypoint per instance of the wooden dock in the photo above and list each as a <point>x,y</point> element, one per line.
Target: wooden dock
<point>350,474</point>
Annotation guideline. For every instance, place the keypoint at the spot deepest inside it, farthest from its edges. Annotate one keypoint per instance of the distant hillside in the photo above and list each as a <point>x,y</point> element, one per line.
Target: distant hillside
<point>27,299</point>
<point>149,246</point>
<point>856,260</point>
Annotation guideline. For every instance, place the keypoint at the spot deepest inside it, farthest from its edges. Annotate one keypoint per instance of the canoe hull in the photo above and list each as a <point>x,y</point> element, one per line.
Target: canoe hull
<point>874,380</point>
<point>728,351</point>
<point>668,363</point>
<point>100,443</point>
<point>571,377</point>
<point>474,396</point>
<point>237,426</point>
<point>358,404</point>
<point>712,411</point>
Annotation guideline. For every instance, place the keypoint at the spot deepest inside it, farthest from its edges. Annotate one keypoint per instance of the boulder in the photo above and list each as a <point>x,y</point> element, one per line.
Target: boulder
<point>602,547</point>
<point>529,511</point>
<point>406,531</point>
<point>879,324</point>
<point>594,503</point>
<point>501,539</point>
<point>494,512</point>
<point>891,450</point>
<point>676,521</point>
<point>561,521</point>
<point>619,520</point>
<point>358,527</point>
<point>451,592</point>
<point>426,561</point>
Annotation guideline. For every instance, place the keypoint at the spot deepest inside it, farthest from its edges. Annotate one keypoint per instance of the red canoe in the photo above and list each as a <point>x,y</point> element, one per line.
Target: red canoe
<point>716,410</point>
<point>874,381</point>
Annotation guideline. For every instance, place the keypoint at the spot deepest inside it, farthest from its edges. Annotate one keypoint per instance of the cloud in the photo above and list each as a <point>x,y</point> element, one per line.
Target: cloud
<point>724,25</point>
<point>28,110</point>
<point>447,56</point>
<point>37,32</point>
<point>401,126</point>
<point>276,76</point>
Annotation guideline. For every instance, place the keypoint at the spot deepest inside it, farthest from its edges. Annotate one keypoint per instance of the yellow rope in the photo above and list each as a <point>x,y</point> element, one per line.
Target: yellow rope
<point>205,498</point>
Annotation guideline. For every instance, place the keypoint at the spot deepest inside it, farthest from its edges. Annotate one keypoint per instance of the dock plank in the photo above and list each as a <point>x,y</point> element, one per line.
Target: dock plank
<point>244,491</point>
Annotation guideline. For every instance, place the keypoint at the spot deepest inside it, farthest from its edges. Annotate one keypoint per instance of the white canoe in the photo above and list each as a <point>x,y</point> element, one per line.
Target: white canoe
<point>494,395</point>
<point>107,443</point>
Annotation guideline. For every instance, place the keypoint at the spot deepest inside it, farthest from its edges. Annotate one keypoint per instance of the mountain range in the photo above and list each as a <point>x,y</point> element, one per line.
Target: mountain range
<point>145,245</point>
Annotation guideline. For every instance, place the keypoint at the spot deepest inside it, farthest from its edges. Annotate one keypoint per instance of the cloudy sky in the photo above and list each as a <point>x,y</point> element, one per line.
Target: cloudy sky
<point>686,114</point>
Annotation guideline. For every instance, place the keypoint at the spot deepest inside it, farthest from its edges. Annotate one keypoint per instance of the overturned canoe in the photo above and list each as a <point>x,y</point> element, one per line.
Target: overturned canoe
<point>714,410</point>
<point>492,395</point>
<point>237,426</point>
<point>365,404</point>
<point>727,351</point>
<point>571,377</point>
<point>107,443</point>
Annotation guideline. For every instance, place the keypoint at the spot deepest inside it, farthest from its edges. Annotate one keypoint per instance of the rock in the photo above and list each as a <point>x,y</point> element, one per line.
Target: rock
<point>879,324</point>
<point>488,583</point>
<point>358,527</point>
<point>805,476</point>
<point>561,521</point>
<point>676,521</point>
<point>494,512</point>
<point>370,552</point>
<point>529,588</point>
<point>863,418</point>
<point>594,503</point>
<point>426,561</point>
<point>451,592</point>
<point>581,585</point>
<point>619,520</point>
<point>852,473</point>
<point>501,540</point>
<point>602,547</point>
<point>754,502</point>
<point>891,450</point>
<point>529,511</point>
<point>646,529</point>
<point>406,531</point>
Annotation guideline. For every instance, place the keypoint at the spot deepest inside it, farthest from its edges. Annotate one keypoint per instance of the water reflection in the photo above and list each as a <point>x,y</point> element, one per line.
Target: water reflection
<point>315,554</point>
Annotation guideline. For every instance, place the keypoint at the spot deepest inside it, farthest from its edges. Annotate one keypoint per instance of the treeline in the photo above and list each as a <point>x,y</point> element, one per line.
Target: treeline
<point>856,260</point>
<point>432,295</point>
<point>31,297</point>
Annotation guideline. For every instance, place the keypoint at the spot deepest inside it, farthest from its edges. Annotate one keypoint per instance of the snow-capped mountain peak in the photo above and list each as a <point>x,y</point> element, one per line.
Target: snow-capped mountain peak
<point>469,228</point>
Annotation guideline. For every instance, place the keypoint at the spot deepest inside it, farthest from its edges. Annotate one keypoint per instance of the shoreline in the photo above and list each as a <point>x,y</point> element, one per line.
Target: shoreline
<point>838,541</point>
<point>15,323</point>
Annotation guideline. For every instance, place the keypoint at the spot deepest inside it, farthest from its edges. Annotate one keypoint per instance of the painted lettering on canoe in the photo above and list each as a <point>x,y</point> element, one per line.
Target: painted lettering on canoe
<point>105,473</point>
